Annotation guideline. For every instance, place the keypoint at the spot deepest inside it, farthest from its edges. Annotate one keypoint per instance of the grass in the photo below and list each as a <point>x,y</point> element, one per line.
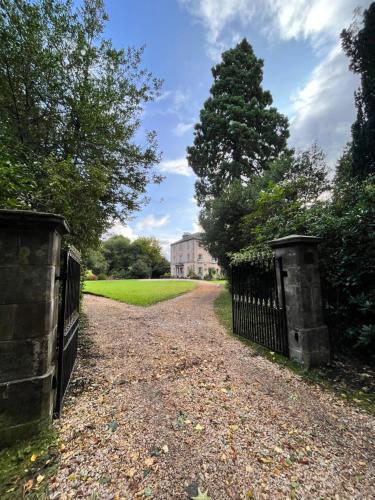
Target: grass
<point>138,292</point>
<point>219,282</point>
<point>26,467</point>
<point>342,377</point>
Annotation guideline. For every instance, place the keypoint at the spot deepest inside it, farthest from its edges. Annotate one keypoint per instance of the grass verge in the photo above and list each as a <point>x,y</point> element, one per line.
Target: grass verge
<point>138,292</point>
<point>352,383</point>
<point>26,467</point>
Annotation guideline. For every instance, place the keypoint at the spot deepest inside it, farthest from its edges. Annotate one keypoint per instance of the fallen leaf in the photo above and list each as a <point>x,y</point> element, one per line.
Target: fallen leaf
<point>28,485</point>
<point>130,472</point>
<point>149,461</point>
<point>112,426</point>
<point>134,456</point>
<point>165,448</point>
<point>199,427</point>
<point>40,478</point>
<point>278,450</point>
<point>147,492</point>
<point>202,495</point>
<point>265,460</point>
<point>33,457</point>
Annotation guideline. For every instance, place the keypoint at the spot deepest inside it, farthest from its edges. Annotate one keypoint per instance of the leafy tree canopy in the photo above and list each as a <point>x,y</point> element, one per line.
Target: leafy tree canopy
<point>239,131</point>
<point>70,106</point>
<point>118,256</point>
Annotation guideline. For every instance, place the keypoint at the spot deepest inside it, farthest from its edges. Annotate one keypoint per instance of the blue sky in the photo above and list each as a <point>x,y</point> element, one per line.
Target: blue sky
<point>304,68</point>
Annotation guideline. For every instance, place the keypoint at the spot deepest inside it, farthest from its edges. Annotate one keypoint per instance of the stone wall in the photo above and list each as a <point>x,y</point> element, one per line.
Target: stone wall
<point>307,332</point>
<point>29,264</point>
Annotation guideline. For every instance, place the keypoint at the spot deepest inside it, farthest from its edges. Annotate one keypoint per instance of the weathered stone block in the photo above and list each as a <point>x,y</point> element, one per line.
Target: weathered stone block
<point>307,333</point>
<point>8,318</point>
<point>25,405</point>
<point>27,284</point>
<point>29,262</point>
<point>23,321</point>
<point>310,346</point>
<point>24,358</point>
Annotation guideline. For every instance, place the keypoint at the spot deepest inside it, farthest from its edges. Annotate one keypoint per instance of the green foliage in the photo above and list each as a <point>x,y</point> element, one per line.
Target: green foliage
<point>347,258</point>
<point>16,186</point>
<point>245,217</point>
<point>141,268</point>
<point>70,106</point>
<point>121,258</point>
<point>345,221</point>
<point>192,274</point>
<point>102,276</point>
<point>18,473</point>
<point>140,293</point>
<point>359,44</point>
<point>239,131</point>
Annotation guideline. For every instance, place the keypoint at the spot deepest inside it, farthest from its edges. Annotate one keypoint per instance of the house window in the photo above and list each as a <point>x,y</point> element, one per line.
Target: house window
<point>200,256</point>
<point>200,270</point>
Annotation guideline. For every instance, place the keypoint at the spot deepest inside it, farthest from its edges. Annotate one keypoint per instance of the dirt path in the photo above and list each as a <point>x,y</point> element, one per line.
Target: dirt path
<point>171,402</point>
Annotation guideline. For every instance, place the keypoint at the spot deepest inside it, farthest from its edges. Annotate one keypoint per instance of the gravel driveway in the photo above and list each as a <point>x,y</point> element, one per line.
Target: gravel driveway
<point>170,402</point>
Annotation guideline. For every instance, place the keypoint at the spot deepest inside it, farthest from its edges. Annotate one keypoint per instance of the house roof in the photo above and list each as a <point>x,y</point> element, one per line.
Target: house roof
<point>188,236</point>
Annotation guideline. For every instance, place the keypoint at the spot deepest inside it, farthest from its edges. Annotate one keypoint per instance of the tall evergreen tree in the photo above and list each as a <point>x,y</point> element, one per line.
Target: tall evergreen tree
<point>239,131</point>
<point>359,45</point>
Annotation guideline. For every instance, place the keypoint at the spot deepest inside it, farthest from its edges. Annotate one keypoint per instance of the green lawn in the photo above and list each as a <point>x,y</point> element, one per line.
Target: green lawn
<point>139,292</point>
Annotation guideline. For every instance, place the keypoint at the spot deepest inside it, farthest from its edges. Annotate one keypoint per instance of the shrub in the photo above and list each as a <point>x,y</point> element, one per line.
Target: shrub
<point>102,276</point>
<point>91,277</point>
<point>121,274</point>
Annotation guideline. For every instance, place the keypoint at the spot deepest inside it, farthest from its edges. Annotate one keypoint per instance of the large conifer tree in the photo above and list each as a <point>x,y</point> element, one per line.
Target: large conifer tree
<point>359,45</point>
<point>239,131</point>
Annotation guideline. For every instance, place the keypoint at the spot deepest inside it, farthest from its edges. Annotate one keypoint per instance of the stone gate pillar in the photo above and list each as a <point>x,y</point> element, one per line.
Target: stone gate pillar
<point>29,263</point>
<point>307,332</point>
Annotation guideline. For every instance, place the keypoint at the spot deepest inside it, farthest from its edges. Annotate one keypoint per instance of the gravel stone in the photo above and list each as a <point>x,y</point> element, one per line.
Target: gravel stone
<point>235,424</point>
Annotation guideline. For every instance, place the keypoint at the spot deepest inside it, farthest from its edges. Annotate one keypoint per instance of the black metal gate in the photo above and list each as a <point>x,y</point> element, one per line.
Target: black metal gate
<point>258,303</point>
<point>67,341</point>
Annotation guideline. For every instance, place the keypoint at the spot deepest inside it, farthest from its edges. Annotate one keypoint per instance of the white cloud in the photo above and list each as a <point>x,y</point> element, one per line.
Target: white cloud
<point>176,102</point>
<point>292,19</point>
<point>122,229</point>
<point>197,228</point>
<point>152,222</point>
<point>323,108</point>
<point>181,128</point>
<point>179,166</point>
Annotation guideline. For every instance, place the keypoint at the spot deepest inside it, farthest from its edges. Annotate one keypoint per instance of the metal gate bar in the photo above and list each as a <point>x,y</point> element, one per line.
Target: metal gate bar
<point>258,303</point>
<point>67,342</point>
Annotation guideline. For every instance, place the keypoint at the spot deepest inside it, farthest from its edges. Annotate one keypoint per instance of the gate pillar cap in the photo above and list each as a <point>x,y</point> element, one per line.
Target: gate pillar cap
<point>294,240</point>
<point>24,218</point>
